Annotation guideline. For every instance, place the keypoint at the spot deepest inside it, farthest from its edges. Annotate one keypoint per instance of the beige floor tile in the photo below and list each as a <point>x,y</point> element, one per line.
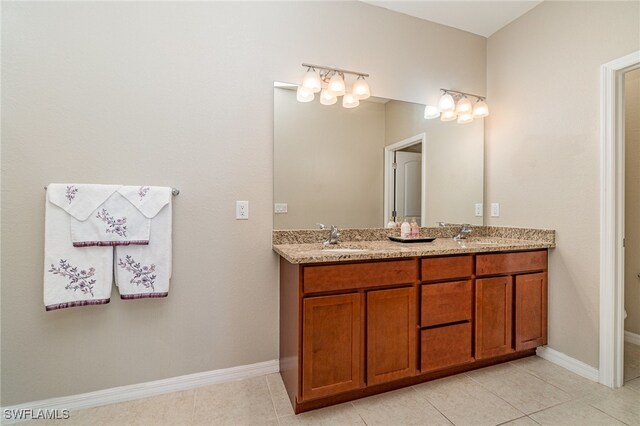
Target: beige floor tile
<point>634,384</point>
<point>559,377</point>
<point>169,409</point>
<point>88,417</point>
<point>573,413</point>
<point>244,402</point>
<point>519,388</point>
<point>281,401</point>
<point>400,407</point>
<point>622,403</point>
<point>78,417</point>
<point>338,415</point>
<point>465,402</point>
<point>522,421</point>
<point>631,361</point>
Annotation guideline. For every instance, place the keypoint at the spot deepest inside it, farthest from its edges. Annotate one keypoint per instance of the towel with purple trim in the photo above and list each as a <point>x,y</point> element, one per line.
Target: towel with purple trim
<point>73,276</point>
<point>101,215</point>
<point>82,222</point>
<point>145,271</point>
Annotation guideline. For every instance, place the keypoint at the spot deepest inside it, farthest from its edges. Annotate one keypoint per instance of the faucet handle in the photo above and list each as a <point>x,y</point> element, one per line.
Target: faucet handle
<point>321,225</point>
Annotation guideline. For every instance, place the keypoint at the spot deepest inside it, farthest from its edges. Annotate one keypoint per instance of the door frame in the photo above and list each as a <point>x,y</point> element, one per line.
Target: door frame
<point>388,160</point>
<point>611,365</point>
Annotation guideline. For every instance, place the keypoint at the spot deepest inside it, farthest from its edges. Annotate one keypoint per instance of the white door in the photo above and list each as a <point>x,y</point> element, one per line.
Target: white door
<point>408,187</point>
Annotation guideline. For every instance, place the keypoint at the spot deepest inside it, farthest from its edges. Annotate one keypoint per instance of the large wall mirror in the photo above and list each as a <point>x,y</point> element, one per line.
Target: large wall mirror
<point>355,167</point>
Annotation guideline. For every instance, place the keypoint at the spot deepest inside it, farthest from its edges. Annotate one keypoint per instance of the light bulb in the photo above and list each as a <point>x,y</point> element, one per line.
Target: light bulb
<point>336,85</point>
<point>361,88</point>
<point>350,101</point>
<point>446,103</point>
<point>465,118</point>
<point>431,112</point>
<point>304,95</point>
<point>312,81</point>
<point>463,106</point>
<point>327,98</point>
<point>448,116</point>
<point>480,109</point>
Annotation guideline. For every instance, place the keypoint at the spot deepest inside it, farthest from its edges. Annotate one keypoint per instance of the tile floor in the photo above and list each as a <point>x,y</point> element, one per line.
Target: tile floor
<point>631,361</point>
<point>528,391</point>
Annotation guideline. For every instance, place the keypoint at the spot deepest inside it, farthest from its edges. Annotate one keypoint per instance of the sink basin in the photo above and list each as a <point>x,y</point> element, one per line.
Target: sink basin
<point>344,250</point>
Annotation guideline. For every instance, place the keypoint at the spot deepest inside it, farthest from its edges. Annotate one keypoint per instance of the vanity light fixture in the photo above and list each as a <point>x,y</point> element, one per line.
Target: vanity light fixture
<point>312,80</point>
<point>304,95</point>
<point>327,98</point>
<point>349,100</point>
<point>456,105</point>
<point>431,112</point>
<point>331,83</point>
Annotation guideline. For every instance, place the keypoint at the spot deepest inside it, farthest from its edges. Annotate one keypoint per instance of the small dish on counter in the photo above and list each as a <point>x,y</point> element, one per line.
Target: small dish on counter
<point>411,240</point>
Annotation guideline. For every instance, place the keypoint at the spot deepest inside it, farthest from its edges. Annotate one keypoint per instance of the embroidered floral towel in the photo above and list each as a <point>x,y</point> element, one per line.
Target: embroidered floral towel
<point>115,222</point>
<point>144,271</point>
<point>82,222</point>
<point>72,276</point>
<point>100,215</point>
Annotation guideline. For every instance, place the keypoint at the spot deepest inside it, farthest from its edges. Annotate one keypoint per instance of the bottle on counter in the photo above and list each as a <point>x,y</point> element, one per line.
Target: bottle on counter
<point>392,224</point>
<point>415,229</point>
<point>405,229</point>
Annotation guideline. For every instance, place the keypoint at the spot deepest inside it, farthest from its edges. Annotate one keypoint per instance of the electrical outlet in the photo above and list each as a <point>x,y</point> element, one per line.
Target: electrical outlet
<point>478,209</point>
<point>495,209</point>
<point>242,210</point>
<point>280,208</point>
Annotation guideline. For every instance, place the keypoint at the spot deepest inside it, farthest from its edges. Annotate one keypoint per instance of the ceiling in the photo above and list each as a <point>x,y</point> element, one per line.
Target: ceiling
<point>479,17</point>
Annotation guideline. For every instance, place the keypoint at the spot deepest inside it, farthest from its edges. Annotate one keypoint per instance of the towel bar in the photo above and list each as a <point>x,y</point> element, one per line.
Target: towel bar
<point>174,191</point>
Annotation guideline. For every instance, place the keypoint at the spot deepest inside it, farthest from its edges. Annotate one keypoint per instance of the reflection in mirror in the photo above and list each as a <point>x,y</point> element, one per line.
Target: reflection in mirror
<point>334,165</point>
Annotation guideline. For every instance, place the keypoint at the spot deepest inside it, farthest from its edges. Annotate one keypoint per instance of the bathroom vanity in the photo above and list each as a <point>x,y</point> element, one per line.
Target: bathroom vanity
<point>373,316</point>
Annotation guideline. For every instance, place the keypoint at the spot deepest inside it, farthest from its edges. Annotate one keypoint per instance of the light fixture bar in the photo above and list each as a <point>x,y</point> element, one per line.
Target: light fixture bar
<point>480,98</point>
<point>338,70</point>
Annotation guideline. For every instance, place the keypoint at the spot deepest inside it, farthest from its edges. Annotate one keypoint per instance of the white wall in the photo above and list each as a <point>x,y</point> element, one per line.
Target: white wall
<point>174,94</point>
<point>542,152</point>
<point>632,201</point>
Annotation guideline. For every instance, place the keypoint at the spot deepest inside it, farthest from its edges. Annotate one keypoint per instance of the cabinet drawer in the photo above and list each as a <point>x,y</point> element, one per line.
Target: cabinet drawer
<point>507,263</point>
<point>443,303</point>
<point>358,275</point>
<point>443,268</point>
<point>445,346</point>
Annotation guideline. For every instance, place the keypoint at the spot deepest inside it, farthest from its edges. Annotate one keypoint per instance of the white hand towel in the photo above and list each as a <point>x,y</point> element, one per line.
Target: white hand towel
<point>145,271</point>
<point>72,276</point>
<point>115,222</point>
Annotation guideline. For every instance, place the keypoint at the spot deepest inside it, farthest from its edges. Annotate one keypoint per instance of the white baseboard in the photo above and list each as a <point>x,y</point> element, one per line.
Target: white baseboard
<point>147,389</point>
<point>565,361</point>
<point>631,337</point>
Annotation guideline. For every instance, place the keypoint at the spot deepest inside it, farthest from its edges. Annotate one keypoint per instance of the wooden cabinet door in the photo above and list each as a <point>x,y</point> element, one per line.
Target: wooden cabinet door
<point>331,345</point>
<point>493,316</point>
<point>391,334</point>
<point>531,311</point>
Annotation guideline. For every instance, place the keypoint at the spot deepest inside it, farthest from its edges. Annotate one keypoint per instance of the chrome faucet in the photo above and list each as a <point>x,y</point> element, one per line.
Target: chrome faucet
<point>333,235</point>
<point>464,231</point>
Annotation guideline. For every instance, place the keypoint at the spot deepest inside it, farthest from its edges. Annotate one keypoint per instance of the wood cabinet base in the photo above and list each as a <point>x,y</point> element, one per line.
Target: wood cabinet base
<point>300,407</point>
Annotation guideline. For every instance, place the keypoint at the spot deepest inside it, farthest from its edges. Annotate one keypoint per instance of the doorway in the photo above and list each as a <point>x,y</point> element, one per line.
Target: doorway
<point>612,219</point>
<point>404,178</point>
<point>631,357</point>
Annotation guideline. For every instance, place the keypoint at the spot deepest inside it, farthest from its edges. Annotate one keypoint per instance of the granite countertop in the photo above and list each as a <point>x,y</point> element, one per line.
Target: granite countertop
<point>387,249</point>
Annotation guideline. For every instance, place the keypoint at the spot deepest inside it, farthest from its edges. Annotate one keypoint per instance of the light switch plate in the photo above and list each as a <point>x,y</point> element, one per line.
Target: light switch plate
<point>242,210</point>
<point>495,209</point>
<point>478,209</point>
<point>280,208</point>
